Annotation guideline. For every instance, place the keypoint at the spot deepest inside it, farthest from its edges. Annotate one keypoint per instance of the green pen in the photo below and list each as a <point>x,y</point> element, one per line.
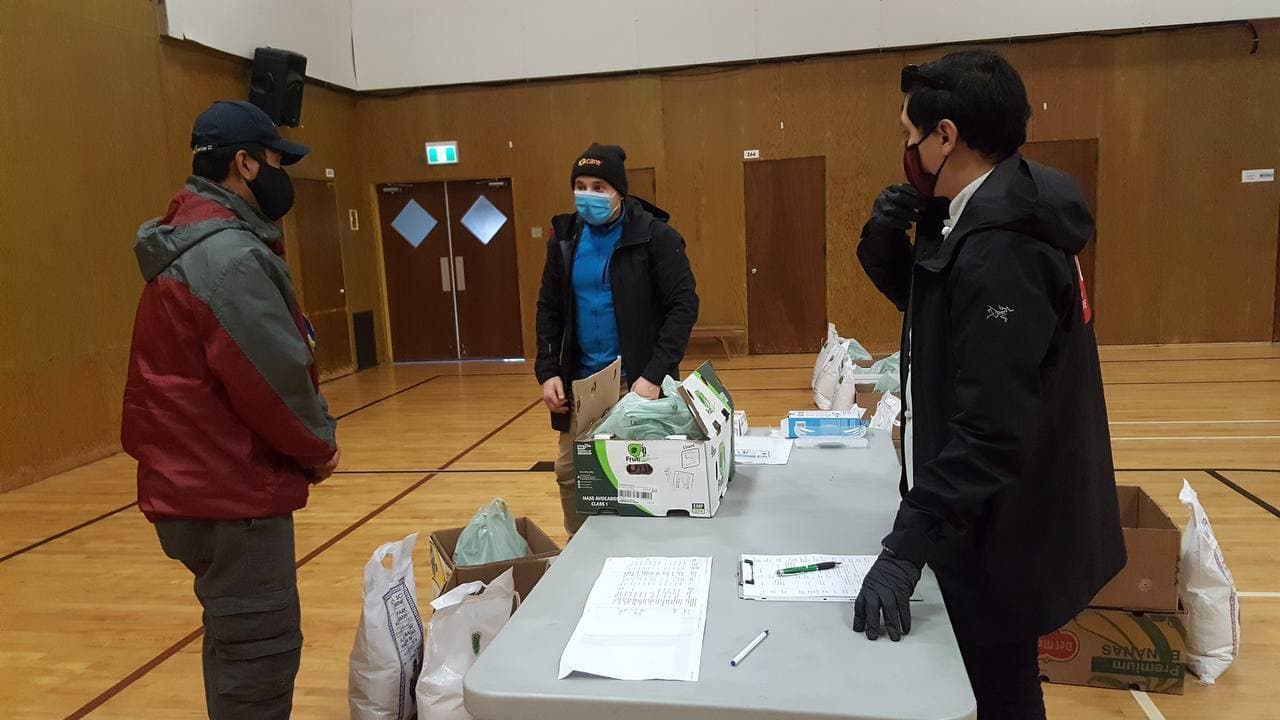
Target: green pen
<point>808,568</point>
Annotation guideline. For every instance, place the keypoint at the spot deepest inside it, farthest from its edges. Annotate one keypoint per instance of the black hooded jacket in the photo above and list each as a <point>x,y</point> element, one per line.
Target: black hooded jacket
<point>1013,500</point>
<point>655,299</point>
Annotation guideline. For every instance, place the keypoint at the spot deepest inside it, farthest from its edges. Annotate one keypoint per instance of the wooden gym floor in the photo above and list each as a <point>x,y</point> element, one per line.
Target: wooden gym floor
<point>96,622</point>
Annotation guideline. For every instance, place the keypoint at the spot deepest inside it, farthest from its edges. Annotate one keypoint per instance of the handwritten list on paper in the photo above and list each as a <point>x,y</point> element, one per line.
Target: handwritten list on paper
<point>644,620</point>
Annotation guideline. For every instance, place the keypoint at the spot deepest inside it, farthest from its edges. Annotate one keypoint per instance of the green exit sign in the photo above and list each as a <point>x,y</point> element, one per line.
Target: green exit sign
<point>442,153</point>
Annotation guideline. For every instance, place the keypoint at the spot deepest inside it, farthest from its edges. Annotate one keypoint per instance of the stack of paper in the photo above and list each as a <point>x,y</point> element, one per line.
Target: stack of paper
<point>644,620</point>
<point>760,579</point>
<point>758,450</point>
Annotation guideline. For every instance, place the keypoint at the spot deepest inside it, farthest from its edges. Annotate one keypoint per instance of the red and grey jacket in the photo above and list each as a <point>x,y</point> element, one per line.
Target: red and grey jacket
<point>222,408</point>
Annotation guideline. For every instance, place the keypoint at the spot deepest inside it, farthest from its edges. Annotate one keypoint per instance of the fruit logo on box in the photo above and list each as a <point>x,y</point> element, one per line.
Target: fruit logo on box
<point>1059,646</point>
<point>637,452</point>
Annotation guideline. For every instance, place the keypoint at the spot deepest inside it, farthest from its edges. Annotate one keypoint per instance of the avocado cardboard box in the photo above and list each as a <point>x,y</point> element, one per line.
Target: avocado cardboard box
<point>1118,649</point>
<point>1149,580</point>
<point>445,575</point>
<point>654,477</point>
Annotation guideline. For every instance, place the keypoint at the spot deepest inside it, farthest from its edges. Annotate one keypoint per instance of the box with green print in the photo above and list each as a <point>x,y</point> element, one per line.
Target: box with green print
<point>665,476</point>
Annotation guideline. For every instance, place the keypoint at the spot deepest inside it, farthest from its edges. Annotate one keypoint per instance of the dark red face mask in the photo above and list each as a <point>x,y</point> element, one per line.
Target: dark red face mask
<point>922,180</point>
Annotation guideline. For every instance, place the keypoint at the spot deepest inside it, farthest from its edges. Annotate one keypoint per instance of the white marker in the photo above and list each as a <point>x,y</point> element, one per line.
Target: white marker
<point>736,661</point>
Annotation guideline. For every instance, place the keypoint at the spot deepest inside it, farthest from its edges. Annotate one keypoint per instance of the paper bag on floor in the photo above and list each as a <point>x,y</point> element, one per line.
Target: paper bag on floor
<point>1208,594</point>
<point>387,654</point>
<point>465,621</point>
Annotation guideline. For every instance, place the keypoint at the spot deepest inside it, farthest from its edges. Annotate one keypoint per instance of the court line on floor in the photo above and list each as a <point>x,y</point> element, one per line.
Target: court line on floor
<point>1197,437</point>
<point>1187,382</point>
<point>401,391</point>
<point>68,531</point>
<point>106,695</point>
<point>1188,422</point>
<point>1148,705</point>
<point>104,516</point>
<point>1256,500</point>
<point>1245,594</point>
<point>1186,469</point>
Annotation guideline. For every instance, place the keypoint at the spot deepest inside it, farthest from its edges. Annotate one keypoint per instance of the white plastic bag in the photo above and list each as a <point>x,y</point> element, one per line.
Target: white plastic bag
<point>387,654</point>
<point>833,339</point>
<point>886,412</point>
<point>846,389</point>
<point>1209,596</point>
<point>824,390</point>
<point>462,626</point>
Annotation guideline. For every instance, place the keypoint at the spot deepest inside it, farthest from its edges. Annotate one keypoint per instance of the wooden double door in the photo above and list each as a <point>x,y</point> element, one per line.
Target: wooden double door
<point>449,256</point>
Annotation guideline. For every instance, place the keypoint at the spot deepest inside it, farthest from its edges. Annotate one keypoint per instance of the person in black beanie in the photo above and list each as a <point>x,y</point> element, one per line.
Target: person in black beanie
<point>617,283</point>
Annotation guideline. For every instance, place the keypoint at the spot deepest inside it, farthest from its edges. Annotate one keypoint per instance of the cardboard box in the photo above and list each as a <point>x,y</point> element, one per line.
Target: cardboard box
<point>528,570</point>
<point>655,477</point>
<point>1118,649</point>
<point>1149,580</point>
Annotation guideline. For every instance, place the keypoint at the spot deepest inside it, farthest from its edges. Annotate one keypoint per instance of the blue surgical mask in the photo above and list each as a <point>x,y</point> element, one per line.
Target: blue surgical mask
<point>595,208</point>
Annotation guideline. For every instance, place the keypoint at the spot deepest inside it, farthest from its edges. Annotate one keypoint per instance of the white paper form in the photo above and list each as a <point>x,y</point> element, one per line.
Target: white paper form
<point>644,620</point>
<point>757,450</point>
<point>760,579</point>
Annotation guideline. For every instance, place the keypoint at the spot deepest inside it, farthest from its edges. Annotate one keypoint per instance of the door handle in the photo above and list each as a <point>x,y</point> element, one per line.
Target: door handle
<point>460,271</point>
<point>446,282</point>
<point>754,271</point>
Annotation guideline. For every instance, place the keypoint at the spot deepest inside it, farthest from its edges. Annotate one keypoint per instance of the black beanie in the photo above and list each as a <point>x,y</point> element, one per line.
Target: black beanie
<point>607,162</point>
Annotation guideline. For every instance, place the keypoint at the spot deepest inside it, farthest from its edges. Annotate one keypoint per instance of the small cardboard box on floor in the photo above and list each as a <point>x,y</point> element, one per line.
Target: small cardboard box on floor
<point>654,477</point>
<point>1134,635</point>
<point>445,575</point>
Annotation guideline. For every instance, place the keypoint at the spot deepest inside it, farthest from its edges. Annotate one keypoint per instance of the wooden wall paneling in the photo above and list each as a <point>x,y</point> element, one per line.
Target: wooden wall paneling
<point>615,111</point>
<point>1215,283</point>
<point>1066,104</point>
<point>1132,134</point>
<point>708,120</point>
<point>846,109</point>
<point>192,77</point>
<point>75,187</point>
<point>540,187</point>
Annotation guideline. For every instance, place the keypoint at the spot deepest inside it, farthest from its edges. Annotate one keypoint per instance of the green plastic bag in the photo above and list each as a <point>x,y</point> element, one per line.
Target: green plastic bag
<point>856,352</point>
<point>491,536</point>
<point>635,418</point>
<point>892,372</point>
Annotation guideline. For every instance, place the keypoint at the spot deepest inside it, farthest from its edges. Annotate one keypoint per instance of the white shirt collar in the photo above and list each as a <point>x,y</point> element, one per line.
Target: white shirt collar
<point>961,199</point>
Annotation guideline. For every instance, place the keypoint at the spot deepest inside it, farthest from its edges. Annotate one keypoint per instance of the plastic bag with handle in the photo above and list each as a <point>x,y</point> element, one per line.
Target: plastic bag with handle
<point>387,654</point>
<point>1208,594</point>
<point>465,620</point>
<point>891,373</point>
<point>490,537</point>
<point>637,418</point>
<point>833,340</point>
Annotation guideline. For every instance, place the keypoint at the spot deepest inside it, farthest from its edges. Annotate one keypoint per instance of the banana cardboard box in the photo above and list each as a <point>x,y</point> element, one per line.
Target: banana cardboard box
<point>1120,649</point>
<point>655,478</point>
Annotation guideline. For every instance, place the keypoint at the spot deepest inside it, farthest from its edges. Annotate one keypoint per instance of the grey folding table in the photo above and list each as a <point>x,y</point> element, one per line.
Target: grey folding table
<point>811,666</point>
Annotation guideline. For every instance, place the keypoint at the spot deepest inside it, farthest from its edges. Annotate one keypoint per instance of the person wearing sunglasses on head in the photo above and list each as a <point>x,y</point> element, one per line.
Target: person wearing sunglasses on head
<point>1008,490</point>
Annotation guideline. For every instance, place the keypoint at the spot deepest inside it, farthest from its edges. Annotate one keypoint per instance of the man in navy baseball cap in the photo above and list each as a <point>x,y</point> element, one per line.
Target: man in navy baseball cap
<point>222,407</point>
<point>234,122</point>
<point>237,146</point>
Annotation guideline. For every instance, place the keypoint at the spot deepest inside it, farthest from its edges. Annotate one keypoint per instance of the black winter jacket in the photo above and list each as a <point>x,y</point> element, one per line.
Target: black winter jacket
<point>1013,502</point>
<point>655,299</point>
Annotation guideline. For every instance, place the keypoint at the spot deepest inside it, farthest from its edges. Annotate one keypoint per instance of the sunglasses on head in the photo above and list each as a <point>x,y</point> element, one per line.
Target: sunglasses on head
<point>913,78</point>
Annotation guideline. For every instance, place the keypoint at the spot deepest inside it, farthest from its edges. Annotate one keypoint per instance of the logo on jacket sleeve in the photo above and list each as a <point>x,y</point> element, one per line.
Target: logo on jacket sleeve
<point>998,312</point>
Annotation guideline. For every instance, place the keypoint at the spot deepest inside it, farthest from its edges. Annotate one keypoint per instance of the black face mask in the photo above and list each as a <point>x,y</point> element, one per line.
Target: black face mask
<point>273,190</point>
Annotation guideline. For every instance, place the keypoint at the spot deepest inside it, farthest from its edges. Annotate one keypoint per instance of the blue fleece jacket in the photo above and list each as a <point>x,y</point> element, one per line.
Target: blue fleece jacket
<point>593,296</point>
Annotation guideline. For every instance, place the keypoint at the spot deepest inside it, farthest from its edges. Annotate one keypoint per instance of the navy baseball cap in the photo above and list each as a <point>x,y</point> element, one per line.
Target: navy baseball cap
<point>233,122</point>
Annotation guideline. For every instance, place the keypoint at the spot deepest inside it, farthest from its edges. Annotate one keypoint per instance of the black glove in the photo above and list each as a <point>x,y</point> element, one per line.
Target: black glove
<point>886,589</point>
<point>895,209</point>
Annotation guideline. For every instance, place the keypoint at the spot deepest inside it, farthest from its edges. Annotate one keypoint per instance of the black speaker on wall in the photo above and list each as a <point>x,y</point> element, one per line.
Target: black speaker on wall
<point>276,84</point>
